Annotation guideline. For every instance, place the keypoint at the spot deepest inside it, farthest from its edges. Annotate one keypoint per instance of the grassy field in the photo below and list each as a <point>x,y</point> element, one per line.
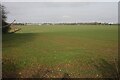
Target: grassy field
<point>61,51</point>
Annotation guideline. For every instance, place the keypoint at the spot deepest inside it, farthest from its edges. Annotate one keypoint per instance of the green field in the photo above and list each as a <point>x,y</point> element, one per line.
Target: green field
<point>61,51</point>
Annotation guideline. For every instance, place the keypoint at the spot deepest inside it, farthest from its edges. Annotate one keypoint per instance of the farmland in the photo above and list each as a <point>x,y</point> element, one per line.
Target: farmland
<point>57,51</point>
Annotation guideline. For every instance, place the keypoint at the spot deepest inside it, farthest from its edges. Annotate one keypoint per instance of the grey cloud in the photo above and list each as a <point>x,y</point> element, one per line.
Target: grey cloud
<point>54,11</point>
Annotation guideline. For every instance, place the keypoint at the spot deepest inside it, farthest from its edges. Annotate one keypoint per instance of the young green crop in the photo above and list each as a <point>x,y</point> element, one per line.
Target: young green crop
<point>71,49</point>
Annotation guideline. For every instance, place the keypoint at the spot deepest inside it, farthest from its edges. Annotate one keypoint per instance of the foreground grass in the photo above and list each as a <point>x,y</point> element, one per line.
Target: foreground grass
<point>60,51</point>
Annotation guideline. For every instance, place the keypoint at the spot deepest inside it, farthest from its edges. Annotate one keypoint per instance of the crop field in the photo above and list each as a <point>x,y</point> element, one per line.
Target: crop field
<point>61,51</point>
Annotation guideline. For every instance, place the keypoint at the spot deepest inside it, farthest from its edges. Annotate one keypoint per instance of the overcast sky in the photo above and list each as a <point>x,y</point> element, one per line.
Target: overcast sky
<point>60,0</point>
<point>40,12</point>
